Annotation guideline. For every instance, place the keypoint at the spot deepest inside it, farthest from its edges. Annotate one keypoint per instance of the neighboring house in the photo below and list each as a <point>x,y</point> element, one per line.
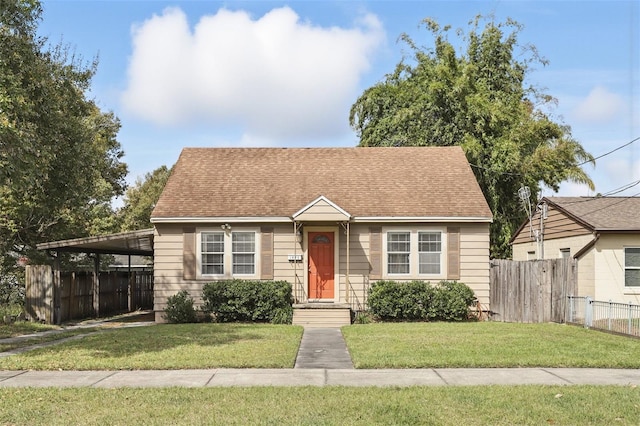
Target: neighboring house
<point>329,220</point>
<point>602,233</point>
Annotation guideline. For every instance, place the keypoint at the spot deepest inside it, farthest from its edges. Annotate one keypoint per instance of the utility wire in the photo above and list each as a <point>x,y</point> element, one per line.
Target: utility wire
<point>610,152</point>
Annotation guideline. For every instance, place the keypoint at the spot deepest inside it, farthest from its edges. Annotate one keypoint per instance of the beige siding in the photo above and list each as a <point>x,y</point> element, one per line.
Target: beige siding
<point>321,211</point>
<point>556,225</point>
<point>586,276</point>
<point>609,268</point>
<point>552,247</point>
<point>474,260</point>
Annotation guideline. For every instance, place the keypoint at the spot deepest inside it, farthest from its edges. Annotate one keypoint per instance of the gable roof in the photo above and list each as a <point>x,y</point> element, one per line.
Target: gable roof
<point>366,182</point>
<point>602,214</point>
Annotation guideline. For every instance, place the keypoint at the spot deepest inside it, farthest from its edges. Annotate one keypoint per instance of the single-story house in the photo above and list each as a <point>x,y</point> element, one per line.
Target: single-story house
<point>602,233</point>
<point>329,220</point>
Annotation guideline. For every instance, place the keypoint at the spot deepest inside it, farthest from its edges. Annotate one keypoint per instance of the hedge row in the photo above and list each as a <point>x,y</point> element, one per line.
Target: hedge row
<point>420,301</point>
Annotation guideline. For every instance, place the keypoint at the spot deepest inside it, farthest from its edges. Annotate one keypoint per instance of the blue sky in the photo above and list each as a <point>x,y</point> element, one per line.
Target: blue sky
<point>262,73</point>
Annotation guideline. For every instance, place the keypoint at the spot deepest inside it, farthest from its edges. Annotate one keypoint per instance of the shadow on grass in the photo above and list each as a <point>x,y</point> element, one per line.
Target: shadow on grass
<point>129,342</point>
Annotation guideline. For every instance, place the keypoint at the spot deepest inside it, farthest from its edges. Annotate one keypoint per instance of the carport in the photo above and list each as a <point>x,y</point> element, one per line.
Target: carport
<point>45,301</point>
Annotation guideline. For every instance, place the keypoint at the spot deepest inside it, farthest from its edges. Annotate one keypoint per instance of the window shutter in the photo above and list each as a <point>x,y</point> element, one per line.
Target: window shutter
<point>189,253</point>
<point>266,253</point>
<point>453,253</point>
<point>375,253</point>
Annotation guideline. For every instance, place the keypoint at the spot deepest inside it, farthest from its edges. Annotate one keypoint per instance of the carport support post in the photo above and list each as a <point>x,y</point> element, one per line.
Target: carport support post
<point>96,285</point>
<point>57,291</point>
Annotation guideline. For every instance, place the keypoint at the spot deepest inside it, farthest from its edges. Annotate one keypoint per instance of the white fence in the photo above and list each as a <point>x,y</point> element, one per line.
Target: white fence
<point>611,316</point>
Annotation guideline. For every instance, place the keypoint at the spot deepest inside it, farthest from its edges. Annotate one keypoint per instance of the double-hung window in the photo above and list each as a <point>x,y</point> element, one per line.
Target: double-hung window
<point>632,266</point>
<point>398,252</point>
<point>414,253</point>
<point>429,252</point>
<point>212,253</point>
<point>227,254</point>
<point>243,252</point>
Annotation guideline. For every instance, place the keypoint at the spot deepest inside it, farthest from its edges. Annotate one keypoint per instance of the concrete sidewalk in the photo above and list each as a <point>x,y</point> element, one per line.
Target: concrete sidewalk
<point>320,377</point>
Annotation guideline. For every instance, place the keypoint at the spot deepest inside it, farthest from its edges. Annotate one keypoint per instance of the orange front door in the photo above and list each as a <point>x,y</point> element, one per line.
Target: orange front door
<point>321,260</point>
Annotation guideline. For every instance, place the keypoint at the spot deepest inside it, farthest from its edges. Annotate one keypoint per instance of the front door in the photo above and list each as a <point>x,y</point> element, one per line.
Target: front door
<point>321,262</point>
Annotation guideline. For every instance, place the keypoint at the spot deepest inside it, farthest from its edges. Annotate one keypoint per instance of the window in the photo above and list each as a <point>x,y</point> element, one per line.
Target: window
<point>531,255</point>
<point>429,249</point>
<point>227,254</point>
<point>415,253</point>
<point>565,253</point>
<point>398,252</point>
<point>632,267</point>
<point>212,253</point>
<point>243,251</point>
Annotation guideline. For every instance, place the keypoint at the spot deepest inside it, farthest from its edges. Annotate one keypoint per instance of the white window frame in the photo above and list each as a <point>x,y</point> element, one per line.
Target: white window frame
<point>414,254</point>
<point>565,253</point>
<point>228,253</point>
<point>625,268</point>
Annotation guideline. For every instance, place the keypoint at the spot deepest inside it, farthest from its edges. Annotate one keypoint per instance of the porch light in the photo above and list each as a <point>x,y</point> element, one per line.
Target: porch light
<point>299,235</point>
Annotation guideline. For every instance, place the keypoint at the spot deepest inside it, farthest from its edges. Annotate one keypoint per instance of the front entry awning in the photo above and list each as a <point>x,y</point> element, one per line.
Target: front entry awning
<point>321,209</point>
<point>127,243</point>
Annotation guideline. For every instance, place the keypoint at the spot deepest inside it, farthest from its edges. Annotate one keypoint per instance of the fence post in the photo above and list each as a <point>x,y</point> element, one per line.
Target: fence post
<point>630,317</point>
<point>610,314</point>
<point>588,312</point>
<point>570,308</point>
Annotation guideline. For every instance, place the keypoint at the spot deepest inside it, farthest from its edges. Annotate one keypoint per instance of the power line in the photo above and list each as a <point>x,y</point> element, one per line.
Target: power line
<point>610,152</point>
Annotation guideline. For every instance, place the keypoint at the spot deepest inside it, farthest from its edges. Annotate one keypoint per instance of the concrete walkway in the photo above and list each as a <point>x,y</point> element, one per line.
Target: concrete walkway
<point>323,348</point>
<point>320,377</point>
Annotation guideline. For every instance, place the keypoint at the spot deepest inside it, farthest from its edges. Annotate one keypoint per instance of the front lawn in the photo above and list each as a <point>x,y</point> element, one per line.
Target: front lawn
<point>169,346</point>
<point>487,344</point>
<point>23,327</point>
<point>474,405</point>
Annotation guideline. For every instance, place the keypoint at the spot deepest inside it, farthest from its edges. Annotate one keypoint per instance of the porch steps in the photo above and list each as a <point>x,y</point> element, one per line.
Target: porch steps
<point>321,315</point>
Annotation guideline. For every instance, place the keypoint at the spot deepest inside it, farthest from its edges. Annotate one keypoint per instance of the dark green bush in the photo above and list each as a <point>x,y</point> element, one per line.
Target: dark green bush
<point>180,308</point>
<point>419,301</point>
<point>451,301</point>
<point>393,300</point>
<point>249,301</point>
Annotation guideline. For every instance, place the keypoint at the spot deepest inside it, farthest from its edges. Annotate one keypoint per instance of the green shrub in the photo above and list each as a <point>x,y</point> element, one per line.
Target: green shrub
<point>393,300</point>
<point>451,301</point>
<point>180,308</point>
<point>419,301</point>
<point>248,300</point>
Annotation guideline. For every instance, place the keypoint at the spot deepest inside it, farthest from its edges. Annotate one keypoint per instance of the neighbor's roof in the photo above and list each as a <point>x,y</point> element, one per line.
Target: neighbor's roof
<point>601,213</point>
<point>366,182</point>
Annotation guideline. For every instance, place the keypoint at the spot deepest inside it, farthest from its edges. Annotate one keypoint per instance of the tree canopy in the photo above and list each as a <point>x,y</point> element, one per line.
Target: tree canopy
<point>141,198</point>
<point>60,161</point>
<point>478,99</point>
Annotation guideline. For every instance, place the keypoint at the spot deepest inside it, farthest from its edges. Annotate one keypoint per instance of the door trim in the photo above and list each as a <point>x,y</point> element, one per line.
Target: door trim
<point>336,260</point>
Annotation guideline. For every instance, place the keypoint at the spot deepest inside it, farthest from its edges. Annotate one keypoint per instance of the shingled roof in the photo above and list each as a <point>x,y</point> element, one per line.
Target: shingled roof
<point>366,182</point>
<point>601,213</point>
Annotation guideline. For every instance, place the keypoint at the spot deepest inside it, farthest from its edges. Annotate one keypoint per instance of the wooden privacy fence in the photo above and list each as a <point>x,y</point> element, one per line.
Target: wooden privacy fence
<point>532,291</point>
<point>73,298</point>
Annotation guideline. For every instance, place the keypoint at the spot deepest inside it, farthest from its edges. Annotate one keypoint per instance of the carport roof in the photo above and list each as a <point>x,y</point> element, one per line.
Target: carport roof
<point>132,242</point>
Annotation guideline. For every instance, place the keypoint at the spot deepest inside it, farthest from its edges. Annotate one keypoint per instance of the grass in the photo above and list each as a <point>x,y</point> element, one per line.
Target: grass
<point>23,327</point>
<point>169,346</point>
<point>487,344</point>
<point>496,405</point>
<point>30,341</point>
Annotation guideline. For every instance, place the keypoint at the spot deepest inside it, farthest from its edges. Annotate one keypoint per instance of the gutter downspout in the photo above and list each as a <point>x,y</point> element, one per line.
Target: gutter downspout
<point>348,283</point>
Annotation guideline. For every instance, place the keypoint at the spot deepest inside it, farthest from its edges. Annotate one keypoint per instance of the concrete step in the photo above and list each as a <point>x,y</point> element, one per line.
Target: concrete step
<point>324,317</point>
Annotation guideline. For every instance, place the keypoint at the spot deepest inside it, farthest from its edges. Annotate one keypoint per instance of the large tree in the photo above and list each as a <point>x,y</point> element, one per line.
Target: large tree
<point>60,161</point>
<point>141,198</point>
<point>480,100</point>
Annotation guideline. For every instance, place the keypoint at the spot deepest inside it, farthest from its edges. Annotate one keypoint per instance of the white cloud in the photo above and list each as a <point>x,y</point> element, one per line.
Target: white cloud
<point>276,76</point>
<point>600,106</point>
